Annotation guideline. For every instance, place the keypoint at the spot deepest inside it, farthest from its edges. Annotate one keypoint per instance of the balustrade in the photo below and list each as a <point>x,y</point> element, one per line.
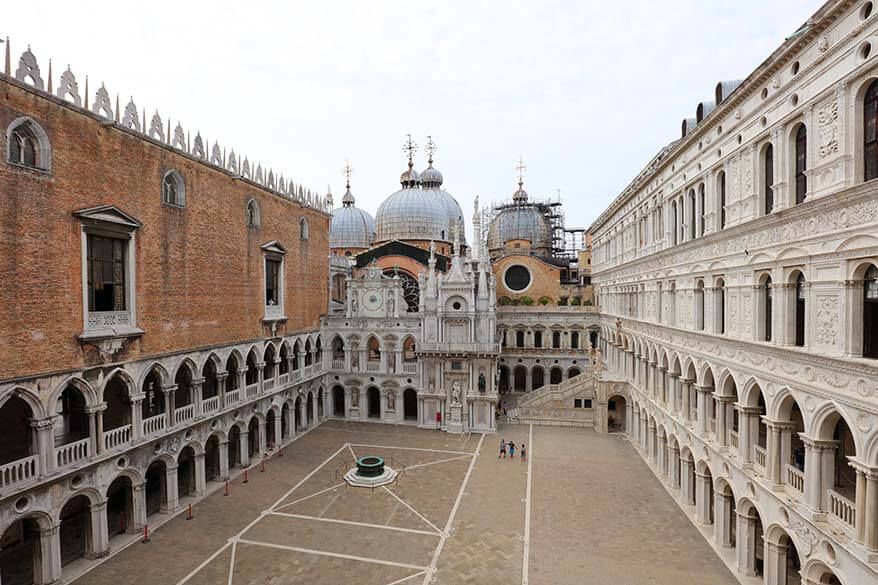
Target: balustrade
<point>18,471</point>
<point>73,452</point>
<point>733,439</point>
<point>309,370</point>
<point>338,365</point>
<point>759,456</point>
<point>251,390</point>
<point>712,425</point>
<point>372,366</point>
<point>283,380</point>
<point>842,508</point>
<point>795,478</point>
<point>184,413</point>
<point>118,436</point>
<point>268,384</point>
<point>211,404</point>
<point>233,397</point>
<point>154,424</point>
<point>410,368</point>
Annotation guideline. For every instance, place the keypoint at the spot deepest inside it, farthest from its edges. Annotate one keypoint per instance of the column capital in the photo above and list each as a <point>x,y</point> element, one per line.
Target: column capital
<point>703,389</point>
<point>169,388</point>
<point>724,399</point>
<point>780,425</point>
<point>870,471</point>
<point>747,410</point>
<point>220,376</point>
<point>42,423</point>
<point>95,408</point>
<point>818,444</point>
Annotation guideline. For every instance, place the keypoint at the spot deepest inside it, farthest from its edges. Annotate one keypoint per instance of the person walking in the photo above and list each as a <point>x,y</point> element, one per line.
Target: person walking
<point>523,451</point>
<point>502,449</point>
<point>512,449</point>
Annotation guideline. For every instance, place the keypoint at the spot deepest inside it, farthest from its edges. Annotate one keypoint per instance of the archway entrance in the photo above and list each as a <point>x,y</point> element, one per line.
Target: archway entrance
<point>310,409</point>
<point>186,472</point>
<point>410,404</point>
<point>504,380</point>
<point>616,412</point>
<point>338,401</point>
<point>20,555</point>
<point>270,419</point>
<point>320,404</point>
<point>374,398</point>
<point>520,379</point>
<point>253,437</point>
<point>284,421</point>
<point>75,532</point>
<point>155,487</point>
<point>555,375</point>
<point>212,459</point>
<point>120,507</point>
<point>234,446</point>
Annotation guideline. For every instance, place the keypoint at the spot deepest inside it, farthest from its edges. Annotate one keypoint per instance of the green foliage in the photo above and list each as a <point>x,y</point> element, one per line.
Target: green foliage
<point>527,301</point>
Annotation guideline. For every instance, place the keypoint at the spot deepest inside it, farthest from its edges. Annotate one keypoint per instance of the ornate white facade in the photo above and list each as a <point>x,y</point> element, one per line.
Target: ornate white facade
<point>730,276</point>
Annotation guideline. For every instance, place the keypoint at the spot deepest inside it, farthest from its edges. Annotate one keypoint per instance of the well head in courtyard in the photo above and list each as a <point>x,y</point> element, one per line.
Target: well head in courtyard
<point>370,472</point>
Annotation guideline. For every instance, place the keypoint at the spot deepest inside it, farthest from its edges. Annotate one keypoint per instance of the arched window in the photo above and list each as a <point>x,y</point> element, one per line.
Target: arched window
<point>173,189</point>
<point>801,164</point>
<point>768,175</point>
<point>660,302</point>
<point>303,229</point>
<point>870,312</point>
<point>699,305</point>
<point>538,339</point>
<point>674,222</point>
<point>765,291</point>
<point>252,214</point>
<point>672,305</point>
<point>556,340</point>
<point>721,194</point>
<point>701,215</point>
<point>800,310</point>
<point>692,214</point>
<point>870,132</point>
<point>720,306</point>
<point>28,145</point>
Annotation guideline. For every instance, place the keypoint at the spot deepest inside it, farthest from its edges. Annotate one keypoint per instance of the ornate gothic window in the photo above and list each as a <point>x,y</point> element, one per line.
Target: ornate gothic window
<point>253,219</point>
<point>28,145</point>
<point>173,189</point>
<point>768,160</point>
<point>870,313</point>
<point>801,164</point>
<point>303,229</point>
<point>870,132</point>
<point>411,291</point>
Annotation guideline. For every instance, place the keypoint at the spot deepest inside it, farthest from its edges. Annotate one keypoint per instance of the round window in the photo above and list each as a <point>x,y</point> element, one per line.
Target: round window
<point>517,278</point>
<point>456,306</point>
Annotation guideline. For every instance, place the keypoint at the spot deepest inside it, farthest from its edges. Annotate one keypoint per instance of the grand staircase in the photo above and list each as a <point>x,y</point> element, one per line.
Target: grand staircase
<point>553,404</point>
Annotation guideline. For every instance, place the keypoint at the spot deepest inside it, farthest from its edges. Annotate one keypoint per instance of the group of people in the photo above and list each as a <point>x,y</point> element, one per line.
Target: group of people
<point>511,446</point>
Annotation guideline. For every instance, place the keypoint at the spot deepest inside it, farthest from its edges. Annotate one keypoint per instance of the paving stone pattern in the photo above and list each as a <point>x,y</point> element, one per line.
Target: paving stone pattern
<point>598,515</point>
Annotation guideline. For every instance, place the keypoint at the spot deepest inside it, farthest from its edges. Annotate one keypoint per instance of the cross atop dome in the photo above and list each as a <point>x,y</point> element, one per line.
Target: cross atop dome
<point>410,147</point>
<point>520,196</point>
<point>348,198</point>
<point>430,147</point>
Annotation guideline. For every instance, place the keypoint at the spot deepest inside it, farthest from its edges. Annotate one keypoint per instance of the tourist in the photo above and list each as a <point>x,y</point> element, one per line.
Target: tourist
<point>512,449</point>
<point>523,451</point>
<point>502,449</point>
<point>439,420</point>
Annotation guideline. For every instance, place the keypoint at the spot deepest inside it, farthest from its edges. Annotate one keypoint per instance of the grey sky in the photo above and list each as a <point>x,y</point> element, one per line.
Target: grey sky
<point>587,91</point>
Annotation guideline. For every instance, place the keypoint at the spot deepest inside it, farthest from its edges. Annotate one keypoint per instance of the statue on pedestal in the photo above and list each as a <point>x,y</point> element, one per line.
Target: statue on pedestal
<point>455,392</point>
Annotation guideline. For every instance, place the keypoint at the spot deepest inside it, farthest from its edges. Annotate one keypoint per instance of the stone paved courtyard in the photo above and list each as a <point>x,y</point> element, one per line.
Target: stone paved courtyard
<point>597,515</point>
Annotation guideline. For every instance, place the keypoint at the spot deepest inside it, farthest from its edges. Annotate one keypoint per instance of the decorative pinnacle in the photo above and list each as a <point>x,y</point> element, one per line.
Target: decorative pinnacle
<point>410,147</point>
<point>347,171</point>
<point>520,167</point>
<point>430,147</point>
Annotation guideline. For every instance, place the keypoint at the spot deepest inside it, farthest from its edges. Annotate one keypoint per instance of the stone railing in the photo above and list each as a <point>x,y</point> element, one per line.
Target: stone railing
<point>283,379</point>
<point>184,414</point>
<point>733,439</point>
<point>338,365</point>
<point>373,366</point>
<point>711,423</point>
<point>296,375</point>
<point>309,370</point>
<point>118,436</point>
<point>410,368</point>
<point>554,416</point>
<point>461,347</point>
<point>795,479</point>
<point>251,390</point>
<point>211,404</point>
<point>18,471</point>
<point>108,319</point>
<point>233,397</point>
<point>759,456</point>
<point>268,384</point>
<point>73,452</point>
<point>154,424</point>
<point>842,508</point>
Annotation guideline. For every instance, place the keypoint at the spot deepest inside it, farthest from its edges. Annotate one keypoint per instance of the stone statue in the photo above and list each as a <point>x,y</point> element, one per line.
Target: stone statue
<point>455,392</point>
<point>482,383</point>
<point>354,305</point>
<point>391,400</point>
<point>390,307</point>
<point>355,398</point>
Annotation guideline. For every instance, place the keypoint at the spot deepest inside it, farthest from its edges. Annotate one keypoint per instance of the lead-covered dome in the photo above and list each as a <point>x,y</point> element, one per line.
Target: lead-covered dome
<point>520,221</point>
<point>351,227</point>
<point>420,211</point>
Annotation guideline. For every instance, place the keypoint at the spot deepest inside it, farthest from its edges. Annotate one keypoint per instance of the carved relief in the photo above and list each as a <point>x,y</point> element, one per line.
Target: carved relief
<point>827,120</point>
<point>748,306</point>
<point>827,320</point>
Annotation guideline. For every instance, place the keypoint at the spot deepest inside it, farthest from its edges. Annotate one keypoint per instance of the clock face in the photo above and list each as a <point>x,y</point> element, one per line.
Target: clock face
<point>372,301</point>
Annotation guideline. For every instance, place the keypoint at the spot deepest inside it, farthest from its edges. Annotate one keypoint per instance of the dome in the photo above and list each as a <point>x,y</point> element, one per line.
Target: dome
<point>521,222</point>
<point>520,196</point>
<point>351,227</point>
<point>421,210</point>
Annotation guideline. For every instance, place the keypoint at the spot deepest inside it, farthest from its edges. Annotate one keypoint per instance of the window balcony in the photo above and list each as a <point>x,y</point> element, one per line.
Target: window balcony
<point>283,380</point>
<point>18,471</point>
<point>373,366</point>
<point>268,384</point>
<point>733,439</point>
<point>72,452</point>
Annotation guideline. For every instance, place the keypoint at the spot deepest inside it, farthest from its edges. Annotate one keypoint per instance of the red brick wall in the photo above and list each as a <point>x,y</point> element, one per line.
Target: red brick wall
<point>199,269</point>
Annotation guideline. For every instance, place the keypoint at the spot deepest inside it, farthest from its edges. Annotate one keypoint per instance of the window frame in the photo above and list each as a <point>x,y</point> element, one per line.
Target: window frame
<point>42,145</point>
<point>870,146</point>
<point>273,252</point>
<point>800,164</point>
<point>768,179</point>
<point>179,189</point>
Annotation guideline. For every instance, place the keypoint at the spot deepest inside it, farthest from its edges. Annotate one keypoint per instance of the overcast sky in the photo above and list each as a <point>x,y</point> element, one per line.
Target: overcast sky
<point>585,91</point>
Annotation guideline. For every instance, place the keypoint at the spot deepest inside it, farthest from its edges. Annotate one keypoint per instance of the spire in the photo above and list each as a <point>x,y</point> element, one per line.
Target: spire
<point>430,147</point>
<point>520,196</point>
<point>456,229</point>
<point>348,199</point>
<point>477,229</point>
<point>410,178</point>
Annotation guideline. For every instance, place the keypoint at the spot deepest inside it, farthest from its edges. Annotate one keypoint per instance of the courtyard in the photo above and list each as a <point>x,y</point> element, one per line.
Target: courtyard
<point>592,513</point>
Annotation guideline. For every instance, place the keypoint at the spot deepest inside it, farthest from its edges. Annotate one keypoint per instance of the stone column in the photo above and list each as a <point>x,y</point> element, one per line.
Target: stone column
<point>674,468</point>
<point>168,392</point>
<point>663,455</point>
<point>722,520</point>
<point>687,410</point>
<point>138,505</point>
<point>629,419</point>
<point>672,390</point>
<point>244,448</point>
<point>260,377</point>
<point>263,437</point>
<point>303,411</point>
<point>746,544</point>
<point>773,462</point>
<point>200,474</point>
<point>701,397</point>
<point>224,460</point>
<point>172,497</point>
<point>50,556</point>
<point>871,509</point>
<point>775,563</point>
<point>100,538</point>
<point>687,489</point>
<point>221,388</point>
<point>95,427</point>
<point>745,448</point>
<point>702,498</point>
<point>278,428</point>
<point>650,441</point>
